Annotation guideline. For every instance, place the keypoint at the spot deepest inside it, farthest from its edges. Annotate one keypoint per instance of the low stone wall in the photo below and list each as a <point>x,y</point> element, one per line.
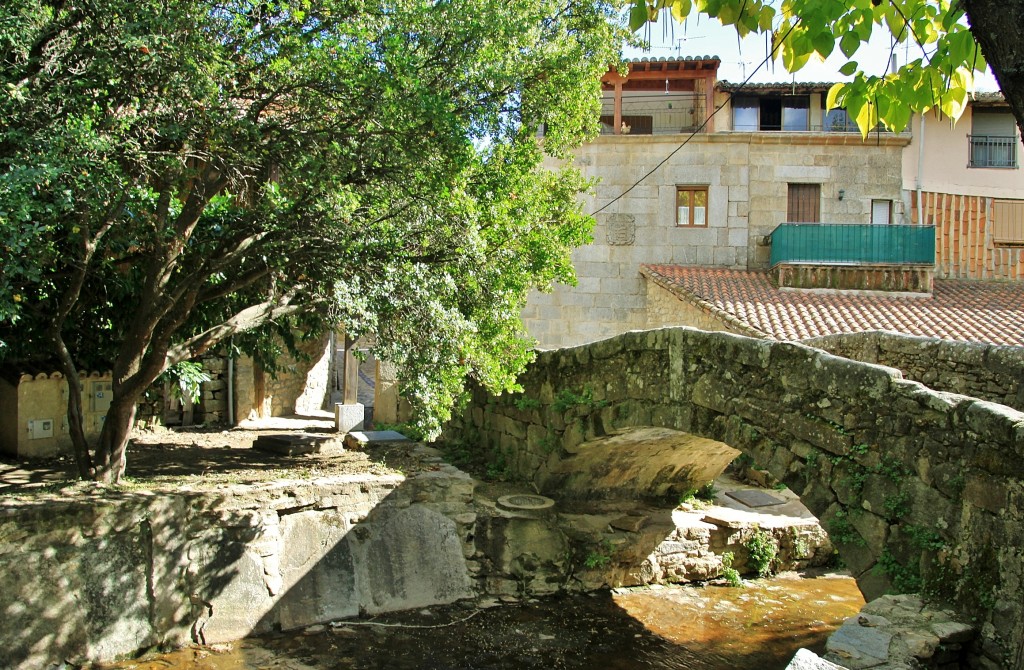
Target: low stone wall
<point>986,371</point>
<point>93,576</point>
<point>919,489</point>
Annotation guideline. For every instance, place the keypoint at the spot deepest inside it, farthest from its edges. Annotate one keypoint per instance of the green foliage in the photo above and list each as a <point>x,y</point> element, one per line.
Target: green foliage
<point>599,556</point>
<point>707,492</point>
<point>175,174</point>
<point>926,539</point>
<point>940,78</point>
<point>549,443</point>
<point>905,578</point>
<point>525,403</point>
<point>187,378</point>
<point>763,552</point>
<point>699,498</point>
<point>497,469</point>
<point>567,399</point>
<point>841,531</point>
<point>896,505</point>
<point>729,573</point>
<point>742,462</point>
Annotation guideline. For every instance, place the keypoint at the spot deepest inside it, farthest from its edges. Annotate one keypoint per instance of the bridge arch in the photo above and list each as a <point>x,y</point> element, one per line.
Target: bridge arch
<point>913,485</point>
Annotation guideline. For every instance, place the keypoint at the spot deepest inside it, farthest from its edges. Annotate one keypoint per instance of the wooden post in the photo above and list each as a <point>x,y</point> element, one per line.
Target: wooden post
<point>618,108</point>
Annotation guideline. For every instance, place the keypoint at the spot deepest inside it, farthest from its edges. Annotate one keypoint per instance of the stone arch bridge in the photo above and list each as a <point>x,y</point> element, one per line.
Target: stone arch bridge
<point>913,484</point>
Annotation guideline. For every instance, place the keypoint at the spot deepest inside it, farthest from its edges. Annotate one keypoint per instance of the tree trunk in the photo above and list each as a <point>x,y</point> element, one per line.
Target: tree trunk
<point>996,26</point>
<point>110,450</point>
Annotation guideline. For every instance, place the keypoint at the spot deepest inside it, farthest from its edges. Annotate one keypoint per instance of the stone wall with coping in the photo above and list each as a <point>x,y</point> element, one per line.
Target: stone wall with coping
<point>986,371</point>
<point>917,488</point>
<point>747,175</point>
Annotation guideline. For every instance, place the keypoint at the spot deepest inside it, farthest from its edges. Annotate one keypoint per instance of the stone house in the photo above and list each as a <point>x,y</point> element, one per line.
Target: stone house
<point>755,186</point>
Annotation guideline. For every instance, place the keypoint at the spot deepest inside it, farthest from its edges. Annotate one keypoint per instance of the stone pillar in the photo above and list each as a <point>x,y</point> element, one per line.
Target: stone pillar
<point>385,395</point>
<point>348,415</point>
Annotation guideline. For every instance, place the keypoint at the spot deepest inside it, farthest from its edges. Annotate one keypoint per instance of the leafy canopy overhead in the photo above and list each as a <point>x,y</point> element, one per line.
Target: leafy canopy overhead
<point>175,174</point>
<point>940,77</point>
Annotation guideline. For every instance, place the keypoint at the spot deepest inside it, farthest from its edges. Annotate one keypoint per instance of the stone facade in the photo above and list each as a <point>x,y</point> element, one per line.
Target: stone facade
<point>917,488</point>
<point>747,177</point>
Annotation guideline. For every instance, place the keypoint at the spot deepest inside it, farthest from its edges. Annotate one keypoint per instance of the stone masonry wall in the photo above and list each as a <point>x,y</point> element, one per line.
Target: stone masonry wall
<point>989,372</point>
<point>665,308</point>
<point>92,576</point>
<point>747,176</point>
<point>918,489</point>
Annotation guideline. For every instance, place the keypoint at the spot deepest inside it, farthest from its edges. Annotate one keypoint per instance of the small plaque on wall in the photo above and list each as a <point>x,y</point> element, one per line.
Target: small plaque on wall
<point>621,230</point>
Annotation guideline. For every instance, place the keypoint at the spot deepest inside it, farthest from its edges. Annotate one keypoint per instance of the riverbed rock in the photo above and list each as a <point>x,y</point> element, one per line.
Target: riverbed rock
<point>901,632</point>
<point>805,659</point>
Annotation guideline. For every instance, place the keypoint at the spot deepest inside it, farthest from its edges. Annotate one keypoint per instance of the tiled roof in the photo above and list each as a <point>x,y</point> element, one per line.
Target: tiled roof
<point>964,310</point>
<point>671,59</point>
<point>777,87</point>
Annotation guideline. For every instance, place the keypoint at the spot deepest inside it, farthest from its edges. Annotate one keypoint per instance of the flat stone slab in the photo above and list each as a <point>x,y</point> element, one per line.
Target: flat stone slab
<point>288,445</point>
<point>630,523</point>
<point>361,438</point>
<point>754,499</point>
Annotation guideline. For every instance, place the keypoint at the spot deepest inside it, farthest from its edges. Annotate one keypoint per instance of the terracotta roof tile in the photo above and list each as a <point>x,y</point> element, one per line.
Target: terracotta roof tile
<point>964,310</point>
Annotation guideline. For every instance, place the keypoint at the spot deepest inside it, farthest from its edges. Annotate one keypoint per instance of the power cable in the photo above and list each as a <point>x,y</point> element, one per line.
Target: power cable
<point>767,59</point>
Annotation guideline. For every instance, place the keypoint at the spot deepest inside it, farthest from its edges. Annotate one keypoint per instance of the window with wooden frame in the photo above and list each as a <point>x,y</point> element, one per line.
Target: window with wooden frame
<point>803,203</point>
<point>692,206</point>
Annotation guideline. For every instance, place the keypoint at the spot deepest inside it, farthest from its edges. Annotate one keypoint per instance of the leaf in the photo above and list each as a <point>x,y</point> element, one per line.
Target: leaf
<point>681,9</point>
<point>834,95</point>
<point>848,68</point>
<point>824,43</point>
<point>638,15</point>
<point>849,43</point>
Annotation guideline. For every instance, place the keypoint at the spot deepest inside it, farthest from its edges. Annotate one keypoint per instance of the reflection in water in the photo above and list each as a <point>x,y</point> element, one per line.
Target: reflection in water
<point>687,628</point>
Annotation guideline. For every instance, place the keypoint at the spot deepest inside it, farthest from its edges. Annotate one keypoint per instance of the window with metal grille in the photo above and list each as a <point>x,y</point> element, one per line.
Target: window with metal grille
<point>804,203</point>
<point>993,140</point>
<point>692,206</point>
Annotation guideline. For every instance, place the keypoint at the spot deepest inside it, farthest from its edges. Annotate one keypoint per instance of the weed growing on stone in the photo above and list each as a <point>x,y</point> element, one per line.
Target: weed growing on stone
<point>763,552</point>
<point>497,469</point>
<point>801,547</point>
<point>896,505</point>
<point>567,399</point>
<point>729,573</point>
<point>904,578</point>
<point>699,498</point>
<point>525,403</point>
<point>599,556</point>
<point>548,443</point>
<point>841,531</point>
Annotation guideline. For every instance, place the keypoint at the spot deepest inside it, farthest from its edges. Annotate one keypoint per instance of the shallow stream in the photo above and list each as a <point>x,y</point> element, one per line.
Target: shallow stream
<point>693,628</point>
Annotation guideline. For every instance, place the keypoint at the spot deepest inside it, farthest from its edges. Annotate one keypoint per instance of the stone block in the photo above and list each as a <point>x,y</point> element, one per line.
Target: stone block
<point>348,417</point>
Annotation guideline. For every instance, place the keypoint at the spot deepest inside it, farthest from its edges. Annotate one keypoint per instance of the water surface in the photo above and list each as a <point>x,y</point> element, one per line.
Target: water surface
<point>759,627</point>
